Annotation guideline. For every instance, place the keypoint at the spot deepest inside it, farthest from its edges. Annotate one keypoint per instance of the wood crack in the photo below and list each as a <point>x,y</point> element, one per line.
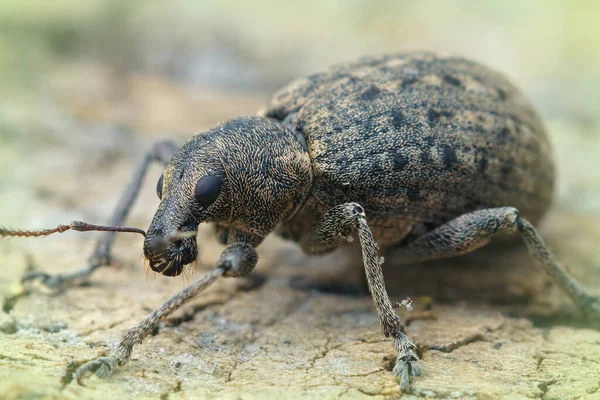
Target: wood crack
<point>448,348</point>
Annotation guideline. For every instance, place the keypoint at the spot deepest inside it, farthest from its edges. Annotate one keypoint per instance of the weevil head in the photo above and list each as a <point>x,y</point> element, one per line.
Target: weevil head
<point>192,189</point>
<point>248,173</point>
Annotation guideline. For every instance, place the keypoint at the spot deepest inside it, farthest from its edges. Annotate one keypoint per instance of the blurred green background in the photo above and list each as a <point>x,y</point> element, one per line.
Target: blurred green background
<point>101,74</point>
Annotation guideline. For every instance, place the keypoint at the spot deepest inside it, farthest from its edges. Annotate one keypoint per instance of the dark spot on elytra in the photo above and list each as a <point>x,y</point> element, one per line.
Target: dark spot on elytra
<point>449,156</point>
<point>478,79</point>
<point>506,169</point>
<point>370,61</point>
<point>504,135</point>
<point>400,161</point>
<point>409,80</point>
<point>278,113</point>
<point>383,129</point>
<point>451,80</point>
<point>398,119</point>
<point>413,194</point>
<point>501,94</point>
<point>370,94</point>
<point>532,146</point>
<point>434,115</point>
<point>425,157</point>
<point>519,128</point>
<point>315,77</point>
<point>429,141</point>
<point>483,164</point>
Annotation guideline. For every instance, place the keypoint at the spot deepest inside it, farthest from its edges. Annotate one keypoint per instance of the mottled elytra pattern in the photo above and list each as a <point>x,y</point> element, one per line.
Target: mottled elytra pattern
<point>420,135</point>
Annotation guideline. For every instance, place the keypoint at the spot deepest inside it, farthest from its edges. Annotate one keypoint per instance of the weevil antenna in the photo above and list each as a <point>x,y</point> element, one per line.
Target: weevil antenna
<point>74,225</point>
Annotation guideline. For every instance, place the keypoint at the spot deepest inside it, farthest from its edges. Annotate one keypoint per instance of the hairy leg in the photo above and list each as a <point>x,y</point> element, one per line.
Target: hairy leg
<point>334,228</point>
<point>237,260</point>
<point>474,230</point>
<point>162,152</point>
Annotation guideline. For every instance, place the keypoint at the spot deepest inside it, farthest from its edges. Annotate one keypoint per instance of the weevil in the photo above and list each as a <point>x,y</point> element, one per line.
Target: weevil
<point>425,155</point>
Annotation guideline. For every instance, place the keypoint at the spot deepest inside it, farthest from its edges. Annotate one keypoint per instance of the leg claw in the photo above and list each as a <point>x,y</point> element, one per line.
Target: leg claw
<point>591,309</point>
<point>102,367</point>
<point>52,282</point>
<point>407,365</point>
<point>60,281</point>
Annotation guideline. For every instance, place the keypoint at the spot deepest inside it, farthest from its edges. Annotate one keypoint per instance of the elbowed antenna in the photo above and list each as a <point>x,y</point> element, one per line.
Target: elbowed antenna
<point>74,225</point>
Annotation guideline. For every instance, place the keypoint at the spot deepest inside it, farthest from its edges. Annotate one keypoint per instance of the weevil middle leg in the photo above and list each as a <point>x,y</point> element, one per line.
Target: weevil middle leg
<point>335,227</point>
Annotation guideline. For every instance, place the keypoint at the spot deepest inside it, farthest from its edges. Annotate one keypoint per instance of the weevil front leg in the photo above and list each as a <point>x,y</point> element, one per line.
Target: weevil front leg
<point>474,230</point>
<point>334,228</point>
<point>161,152</point>
<point>237,260</point>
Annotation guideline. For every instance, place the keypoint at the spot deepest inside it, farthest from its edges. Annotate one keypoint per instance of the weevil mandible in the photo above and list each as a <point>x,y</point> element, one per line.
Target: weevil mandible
<point>430,156</point>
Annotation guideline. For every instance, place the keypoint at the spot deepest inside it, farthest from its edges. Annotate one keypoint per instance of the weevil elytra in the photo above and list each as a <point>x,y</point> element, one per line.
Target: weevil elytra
<point>429,156</point>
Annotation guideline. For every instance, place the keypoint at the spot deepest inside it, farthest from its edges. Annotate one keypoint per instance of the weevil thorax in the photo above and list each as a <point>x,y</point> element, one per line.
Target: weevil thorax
<point>249,173</point>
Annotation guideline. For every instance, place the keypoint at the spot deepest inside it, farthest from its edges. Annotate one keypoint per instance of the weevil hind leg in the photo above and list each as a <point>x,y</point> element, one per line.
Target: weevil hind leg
<point>335,228</point>
<point>161,152</point>
<point>588,304</point>
<point>476,229</point>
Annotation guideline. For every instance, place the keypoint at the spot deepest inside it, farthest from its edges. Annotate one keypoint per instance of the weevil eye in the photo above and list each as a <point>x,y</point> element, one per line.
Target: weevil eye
<point>159,186</point>
<point>207,190</point>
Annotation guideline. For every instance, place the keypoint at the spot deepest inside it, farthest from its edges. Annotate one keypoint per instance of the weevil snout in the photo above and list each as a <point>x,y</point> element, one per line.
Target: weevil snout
<point>168,254</point>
